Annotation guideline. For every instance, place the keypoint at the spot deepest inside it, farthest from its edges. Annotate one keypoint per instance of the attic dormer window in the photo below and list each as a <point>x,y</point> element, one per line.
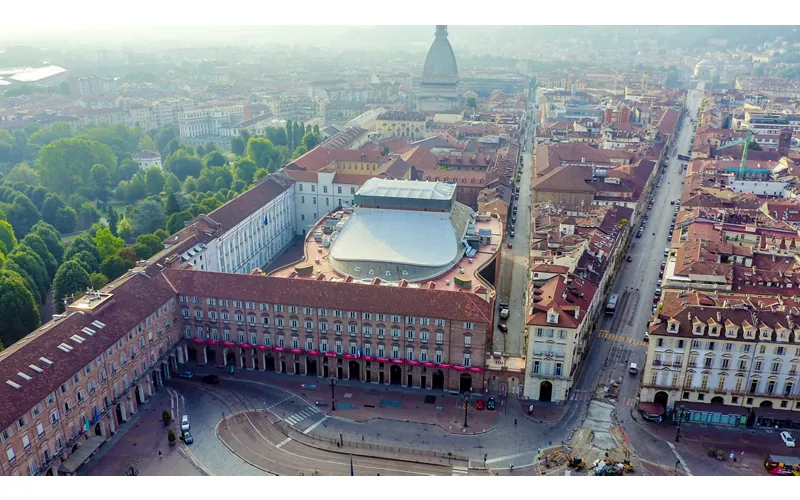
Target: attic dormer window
<point>552,317</point>
<point>673,326</point>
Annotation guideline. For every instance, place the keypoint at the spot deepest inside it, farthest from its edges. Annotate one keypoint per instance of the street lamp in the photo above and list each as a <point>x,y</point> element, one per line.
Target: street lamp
<point>682,412</point>
<point>333,393</point>
<point>467,398</point>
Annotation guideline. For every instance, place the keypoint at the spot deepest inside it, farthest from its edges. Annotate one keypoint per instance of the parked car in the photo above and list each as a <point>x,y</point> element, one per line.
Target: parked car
<point>647,336</point>
<point>633,369</point>
<point>510,245</point>
<point>656,298</point>
<point>658,283</point>
<point>516,196</point>
<point>490,405</point>
<point>630,259</point>
<point>185,424</point>
<point>787,439</point>
<point>663,264</point>
<point>187,374</point>
<point>187,438</point>
<point>666,252</point>
<point>658,292</point>
<point>639,234</point>
<point>502,327</point>
<point>211,379</point>
<point>480,405</point>
<point>511,233</point>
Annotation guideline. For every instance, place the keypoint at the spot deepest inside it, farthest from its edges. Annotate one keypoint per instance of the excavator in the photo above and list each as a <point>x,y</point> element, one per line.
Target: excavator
<point>559,457</point>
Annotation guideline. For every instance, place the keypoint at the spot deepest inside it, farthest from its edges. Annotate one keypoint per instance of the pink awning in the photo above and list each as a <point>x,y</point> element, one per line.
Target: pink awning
<point>213,342</point>
<point>382,360</point>
<point>349,356</point>
<point>279,349</point>
<point>246,346</point>
<point>443,366</point>
<point>367,358</point>
<point>262,347</point>
<point>397,361</point>
<point>199,341</point>
<point>330,354</point>
<point>459,368</point>
<point>296,351</point>
<point>428,364</point>
<point>412,362</point>
<point>228,344</point>
<point>475,369</point>
<point>312,352</point>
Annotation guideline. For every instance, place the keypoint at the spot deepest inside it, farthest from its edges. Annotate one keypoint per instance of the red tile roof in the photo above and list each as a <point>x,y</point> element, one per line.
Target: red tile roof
<point>463,306</point>
<point>244,205</point>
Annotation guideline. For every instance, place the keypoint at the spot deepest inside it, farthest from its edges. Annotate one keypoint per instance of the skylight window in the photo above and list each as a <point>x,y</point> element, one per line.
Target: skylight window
<point>24,376</point>
<point>36,368</point>
<point>13,384</point>
<point>88,331</point>
<point>98,324</point>
<point>77,339</point>
<point>46,361</point>
<point>65,347</point>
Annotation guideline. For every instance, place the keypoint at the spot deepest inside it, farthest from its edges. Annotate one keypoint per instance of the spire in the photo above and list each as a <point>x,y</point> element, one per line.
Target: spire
<point>441,30</point>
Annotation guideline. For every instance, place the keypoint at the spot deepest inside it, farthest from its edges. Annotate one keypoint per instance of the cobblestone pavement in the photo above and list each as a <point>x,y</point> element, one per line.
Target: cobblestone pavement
<point>142,439</point>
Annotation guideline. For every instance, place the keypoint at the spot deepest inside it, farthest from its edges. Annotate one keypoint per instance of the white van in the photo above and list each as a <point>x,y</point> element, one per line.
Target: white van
<point>633,369</point>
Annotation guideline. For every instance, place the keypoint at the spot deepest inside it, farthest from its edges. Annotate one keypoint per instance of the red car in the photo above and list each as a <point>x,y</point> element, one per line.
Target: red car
<point>510,245</point>
<point>655,299</point>
<point>480,405</point>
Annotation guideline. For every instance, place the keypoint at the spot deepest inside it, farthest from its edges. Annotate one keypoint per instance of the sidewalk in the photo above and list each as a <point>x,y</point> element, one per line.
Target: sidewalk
<point>140,440</point>
<point>699,438</point>
<point>361,402</point>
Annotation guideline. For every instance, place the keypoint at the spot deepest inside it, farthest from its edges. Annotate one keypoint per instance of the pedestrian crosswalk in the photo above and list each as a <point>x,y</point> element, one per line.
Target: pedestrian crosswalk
<point>460,470</point>
<point>605,334</point>
<point>301,415</point>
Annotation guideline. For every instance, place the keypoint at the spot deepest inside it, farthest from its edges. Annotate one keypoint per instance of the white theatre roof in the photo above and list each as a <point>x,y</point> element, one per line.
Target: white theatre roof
<point>420,190</point>
<point>403,237</point>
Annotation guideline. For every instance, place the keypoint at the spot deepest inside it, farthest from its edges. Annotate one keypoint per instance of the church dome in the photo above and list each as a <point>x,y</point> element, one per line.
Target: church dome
<point>441,61</point>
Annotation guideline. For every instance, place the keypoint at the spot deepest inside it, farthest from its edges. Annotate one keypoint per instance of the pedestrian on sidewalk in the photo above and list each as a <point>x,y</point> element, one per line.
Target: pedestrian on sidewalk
<point>159,454</point>
<point>515,422</point>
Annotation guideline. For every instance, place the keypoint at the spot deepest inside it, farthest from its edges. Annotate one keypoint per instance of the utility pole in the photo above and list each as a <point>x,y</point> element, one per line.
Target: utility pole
<point>467,398</point>
<point>333,393</point>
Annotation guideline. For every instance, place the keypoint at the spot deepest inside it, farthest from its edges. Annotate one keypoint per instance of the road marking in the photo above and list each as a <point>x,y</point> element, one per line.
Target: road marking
<point>507,457</point>
<point>315,424</point>
<point>280,445</point>
<point>680,459</point>
<point>460,470</point>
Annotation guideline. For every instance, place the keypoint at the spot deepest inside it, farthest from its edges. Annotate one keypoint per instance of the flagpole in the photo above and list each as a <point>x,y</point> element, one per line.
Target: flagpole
<point>352,471</point>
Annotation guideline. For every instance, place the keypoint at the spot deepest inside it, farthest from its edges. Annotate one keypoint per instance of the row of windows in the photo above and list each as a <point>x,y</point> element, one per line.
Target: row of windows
<point>336,313</point>
<point>213,334</point>
<point>724,346</point>
<point>324,189</point>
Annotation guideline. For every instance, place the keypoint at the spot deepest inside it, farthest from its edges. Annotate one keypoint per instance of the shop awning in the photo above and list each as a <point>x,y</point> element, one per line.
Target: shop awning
<point>654,409</point>
<point>82,454</point>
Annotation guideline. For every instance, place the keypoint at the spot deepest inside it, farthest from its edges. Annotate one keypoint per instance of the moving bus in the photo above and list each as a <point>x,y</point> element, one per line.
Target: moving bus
<point>611,306</point>
<point>778,465</point>
<point>683,157</point>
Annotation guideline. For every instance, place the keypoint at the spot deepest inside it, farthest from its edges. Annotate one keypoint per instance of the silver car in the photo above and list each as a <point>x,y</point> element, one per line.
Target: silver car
<point>185,425</point>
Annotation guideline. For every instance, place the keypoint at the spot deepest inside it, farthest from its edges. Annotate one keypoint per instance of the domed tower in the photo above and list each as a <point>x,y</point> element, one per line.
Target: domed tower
<point>439,89</point>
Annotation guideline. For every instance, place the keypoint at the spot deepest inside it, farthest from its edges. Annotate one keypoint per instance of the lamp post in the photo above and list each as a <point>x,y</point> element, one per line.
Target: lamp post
<point>333,393</point>
<point>467,398</point>
<point>682,412</point>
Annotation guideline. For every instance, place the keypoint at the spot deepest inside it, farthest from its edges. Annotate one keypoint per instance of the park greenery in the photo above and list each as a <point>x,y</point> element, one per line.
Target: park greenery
<point>77,212</point>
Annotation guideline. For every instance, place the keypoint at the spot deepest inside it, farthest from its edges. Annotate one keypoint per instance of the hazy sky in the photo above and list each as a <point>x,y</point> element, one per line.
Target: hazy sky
<point>19,17</point>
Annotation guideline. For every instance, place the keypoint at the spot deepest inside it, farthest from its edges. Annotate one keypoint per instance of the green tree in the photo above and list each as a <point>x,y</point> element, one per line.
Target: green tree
<point>114,267</point>
<point>147,245</point>
<point>107,244</point>
<point>172,206</point>
<point>215,159</point>
<point>163,137</point>
<point>7,236</point>
<point>112,220</point>
<point>26,258</point>
<point>65,164</point>
<point>51,238</point>
<point>127,169</point>
<point>147,143</point>
<point>260,174</point>
<point>71,278</point>
<point>260,151</point>
<point>210,204</point>
<point>171,183</point>
<point>22,173</point>
<point>290,135</point>
<point>137,188</point>
<point>472,102</point>
<point>385,150</point>
<point>310,141</point>
<point>65,220</point>
<point>100,182</point>
<point>300,151</point>
<point>155,180</point>
<point>82,243</point>
<point>183,164</point>
<point>177,221</point>
<point>237,145</point>
<point>147,216</point>
<point>44,136</point>
<point>37,244</point>
<point>127,253</point>
<point>87,215</point>
<point>245,168</point>
<point>20,313</point>
<point>125,230</point>
<point>22,215</point>
<point>97,280</point>
<point>190,185</point>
